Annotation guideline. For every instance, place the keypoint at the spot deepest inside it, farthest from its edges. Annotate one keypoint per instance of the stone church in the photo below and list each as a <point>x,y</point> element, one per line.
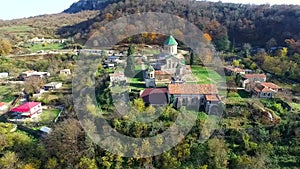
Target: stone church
<point>168,65</point>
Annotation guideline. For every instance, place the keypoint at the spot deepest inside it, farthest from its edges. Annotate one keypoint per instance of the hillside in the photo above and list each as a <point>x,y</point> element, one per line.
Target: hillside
<point>41,26</point>
<point>83,5</point>
<point>254,24</point>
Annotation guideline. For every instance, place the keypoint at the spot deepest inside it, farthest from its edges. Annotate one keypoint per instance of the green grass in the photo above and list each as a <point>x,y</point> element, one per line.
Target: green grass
<point>151,51</point>
<point>49,115</point>
<point>295,106</point>
<point>16,29</point>
<point>234,98</point>
<point>6,94</point>
<point>206,75</point>
<point>136,84</point>
<point>37,47</point>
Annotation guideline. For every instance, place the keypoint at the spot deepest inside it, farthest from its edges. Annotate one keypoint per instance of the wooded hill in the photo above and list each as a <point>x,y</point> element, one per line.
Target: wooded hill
<point>254,24</point>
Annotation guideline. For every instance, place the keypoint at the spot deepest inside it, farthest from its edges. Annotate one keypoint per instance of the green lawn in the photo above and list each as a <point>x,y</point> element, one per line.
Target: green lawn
<point>136,83</point>
<point>49,115</point>
<point>206,75</point>
<point>234,98</point>
<point>37,47</point>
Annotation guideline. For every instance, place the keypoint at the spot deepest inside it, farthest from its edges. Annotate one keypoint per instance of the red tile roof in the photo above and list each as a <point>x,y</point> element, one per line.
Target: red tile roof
<point>25,107</point>
<point>234,69</point>
<point>116,74</point>
<point>149,91</point>
<point>250,76</point>
<point>2,104</point>
<point>155,96</point>
<point>193,89</point>
<point>160,72</point>
<point>262,89</point>
<point>270,85</point>
<point>214,98</point>
<point>188,67</point>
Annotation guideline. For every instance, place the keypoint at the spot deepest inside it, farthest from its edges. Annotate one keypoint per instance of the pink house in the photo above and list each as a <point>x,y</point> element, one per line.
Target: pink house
<point>28,109</point>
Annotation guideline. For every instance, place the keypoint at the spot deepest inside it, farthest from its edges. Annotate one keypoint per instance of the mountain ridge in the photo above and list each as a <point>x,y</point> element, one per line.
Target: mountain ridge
<point>83,5</point>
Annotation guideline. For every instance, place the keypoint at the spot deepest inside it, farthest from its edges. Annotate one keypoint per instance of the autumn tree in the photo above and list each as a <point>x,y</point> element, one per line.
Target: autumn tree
<point>5,47</point>
<point>33,84</point>
<point>282,52</point>
<point>169,161</point>
<point>218,153</point>
<point>67,142</point>
<point>9,160</point>
<point>236,63</point>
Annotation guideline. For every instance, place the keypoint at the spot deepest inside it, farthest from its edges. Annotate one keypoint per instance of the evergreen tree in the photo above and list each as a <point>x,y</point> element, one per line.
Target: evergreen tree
<point>192,59</point>
<point>130,69</point>
<point>131,50</point>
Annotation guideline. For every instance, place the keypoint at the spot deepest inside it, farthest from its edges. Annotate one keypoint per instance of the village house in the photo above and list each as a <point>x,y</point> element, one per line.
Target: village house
<point>265,90</point>
<point>37,40</point>
<point>3,107</point>
<point>117,78</point>
<point>31,73</point>
<point>195,96</point>
<point>3,75</point>
<point>112,58</point>
<point>149,77</point>
<point>233,71</point>
<point>249,79</point>
<point>52,86</point>
<point>27,110</point>
<point>65,72</point>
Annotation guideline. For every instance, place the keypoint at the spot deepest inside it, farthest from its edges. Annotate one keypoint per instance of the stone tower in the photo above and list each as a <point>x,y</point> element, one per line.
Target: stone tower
<point>150,77</point>
<point>170,46</point>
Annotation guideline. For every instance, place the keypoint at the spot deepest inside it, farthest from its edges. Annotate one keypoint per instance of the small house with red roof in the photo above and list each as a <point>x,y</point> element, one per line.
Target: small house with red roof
<point>28,109</point>
<point>3,106</point>
<point>155,96</point>
<point>265,90</point>
<point>252,78</point>
<point>232,71</point>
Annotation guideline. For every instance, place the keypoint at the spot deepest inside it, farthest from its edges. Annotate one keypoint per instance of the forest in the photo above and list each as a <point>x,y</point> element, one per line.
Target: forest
<point>233,28</point>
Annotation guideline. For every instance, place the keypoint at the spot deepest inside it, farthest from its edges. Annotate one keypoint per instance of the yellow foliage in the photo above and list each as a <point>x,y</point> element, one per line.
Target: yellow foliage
<point>207,37</point>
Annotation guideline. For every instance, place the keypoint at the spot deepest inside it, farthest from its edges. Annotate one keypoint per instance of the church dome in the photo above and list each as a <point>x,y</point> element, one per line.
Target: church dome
<point>170,41</point>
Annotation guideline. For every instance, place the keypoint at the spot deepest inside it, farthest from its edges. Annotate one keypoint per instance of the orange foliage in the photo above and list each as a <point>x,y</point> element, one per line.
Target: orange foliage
<point>207,37</point>
<point>108,16</point>
<point>153,36</point>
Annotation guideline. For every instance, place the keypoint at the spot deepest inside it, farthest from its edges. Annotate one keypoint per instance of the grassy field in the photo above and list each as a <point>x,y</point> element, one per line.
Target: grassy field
<point>6,94</point>
<point>206,75</point>
<point>37,47</point>
<point>151,51</point>
<point>295,106</point>
<point>234,98</point>
<point>16,29</point>
<point>49,115</point>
